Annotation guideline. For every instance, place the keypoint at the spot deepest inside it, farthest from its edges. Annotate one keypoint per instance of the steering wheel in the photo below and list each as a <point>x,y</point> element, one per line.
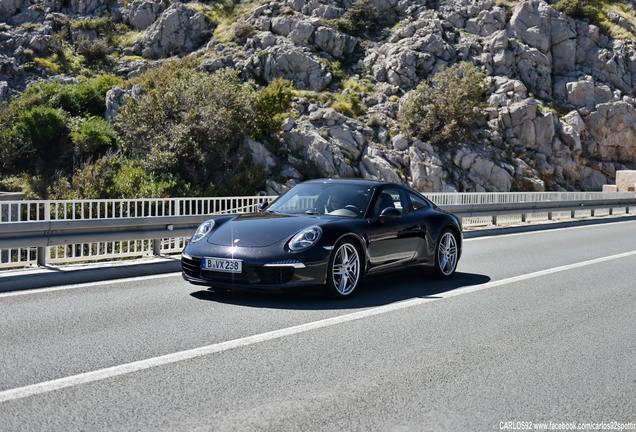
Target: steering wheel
<point>353,208</point>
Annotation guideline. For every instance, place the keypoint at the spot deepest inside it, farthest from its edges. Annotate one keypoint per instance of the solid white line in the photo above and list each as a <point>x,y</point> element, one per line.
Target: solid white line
<point>87,285</point>
<point>97,375</point>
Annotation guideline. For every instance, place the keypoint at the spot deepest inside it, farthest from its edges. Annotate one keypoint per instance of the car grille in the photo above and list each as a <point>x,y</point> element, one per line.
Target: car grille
<point>264,275</point>
<point>191,266</point>
<point>275,275</point>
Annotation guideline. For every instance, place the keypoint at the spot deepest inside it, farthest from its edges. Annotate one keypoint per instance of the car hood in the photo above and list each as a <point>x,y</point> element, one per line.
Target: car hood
<point>260,229</point>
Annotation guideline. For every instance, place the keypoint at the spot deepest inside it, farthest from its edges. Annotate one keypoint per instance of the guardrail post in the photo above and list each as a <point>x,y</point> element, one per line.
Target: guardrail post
<point>524,217</point>
<point>549,215</point>
<point>494,220</point>
<point>156,247</point>
<point>43,253</point>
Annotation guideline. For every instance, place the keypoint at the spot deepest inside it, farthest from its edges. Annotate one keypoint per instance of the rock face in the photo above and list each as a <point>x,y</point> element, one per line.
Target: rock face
<point>84,7</point>
<point>142,14</point>
<point>293,63</point>
<point>558,114</point>
<point>8,8</point>
<point>179,30</point>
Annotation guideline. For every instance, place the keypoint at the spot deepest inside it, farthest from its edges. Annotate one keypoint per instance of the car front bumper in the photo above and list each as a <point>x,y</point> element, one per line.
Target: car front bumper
<point>276,272</point>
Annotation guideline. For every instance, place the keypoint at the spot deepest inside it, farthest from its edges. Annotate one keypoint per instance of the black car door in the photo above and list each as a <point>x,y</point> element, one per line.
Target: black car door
<point>392,242</point>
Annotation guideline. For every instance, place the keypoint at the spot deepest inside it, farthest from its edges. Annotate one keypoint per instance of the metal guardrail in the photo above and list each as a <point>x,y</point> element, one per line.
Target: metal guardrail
<point>529,208</point>
<point>57,231</point>
<point>84,230</point>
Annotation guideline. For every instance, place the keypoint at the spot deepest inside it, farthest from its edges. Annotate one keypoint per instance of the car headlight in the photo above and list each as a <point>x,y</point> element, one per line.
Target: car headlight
<point>305,238</point>
<point>203,230</point>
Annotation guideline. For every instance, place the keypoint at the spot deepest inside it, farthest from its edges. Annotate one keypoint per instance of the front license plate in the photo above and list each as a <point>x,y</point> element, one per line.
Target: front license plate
<point>222,265</point>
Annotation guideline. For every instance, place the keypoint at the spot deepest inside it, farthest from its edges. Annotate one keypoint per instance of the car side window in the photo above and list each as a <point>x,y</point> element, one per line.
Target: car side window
<point>415,203</point>
<point>389,197</point>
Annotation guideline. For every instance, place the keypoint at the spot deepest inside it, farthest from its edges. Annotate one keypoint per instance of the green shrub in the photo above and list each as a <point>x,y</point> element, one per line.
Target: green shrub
<point>35,142</point>
<point>242,30</point>
<point>45,132</point>
<point>445,107</point>
<point>85,99</point>
<point>93,138</point>
<point>581,9</point>
<point>113,176</point>
<point>193,124</point>
<point>273,103</point>
<point>103,26</point>
<point>360,19</point>
<point>95,51</point>
<point>348,105</point>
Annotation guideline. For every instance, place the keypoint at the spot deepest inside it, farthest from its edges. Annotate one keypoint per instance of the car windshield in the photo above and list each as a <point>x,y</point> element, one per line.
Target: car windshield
<point>340,199</point>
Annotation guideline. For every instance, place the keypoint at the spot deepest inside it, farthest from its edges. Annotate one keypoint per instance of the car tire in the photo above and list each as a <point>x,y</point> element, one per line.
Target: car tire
<point>446,254</point>
<point>345,270</point>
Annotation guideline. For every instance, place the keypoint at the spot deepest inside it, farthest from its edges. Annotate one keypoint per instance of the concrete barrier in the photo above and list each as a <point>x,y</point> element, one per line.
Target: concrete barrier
<point>626,180</point>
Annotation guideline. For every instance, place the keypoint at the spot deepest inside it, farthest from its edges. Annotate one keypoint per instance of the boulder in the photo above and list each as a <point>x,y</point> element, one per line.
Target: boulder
<point>591,179</point>
<point>311,146</point>
<point>374,166</point>
<point>8,8</point>
<point>295,64</point>
<point>342,137</point>
<point>581,93</point>
<point>85,7</point>
<point>333,42</point>
<point>142,14</point>
<point>260,155</point>
<point>179,30</point>
<point>116,98</point>
<point>531,23</point>
<point>5,93</point>
<point>613,127</point>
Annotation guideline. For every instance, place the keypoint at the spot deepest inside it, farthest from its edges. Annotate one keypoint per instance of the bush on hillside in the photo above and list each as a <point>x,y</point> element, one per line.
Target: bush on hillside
<point>193,124</point>
<point>54,128</point>
<point>273,103</point>
<point>113,176</point>
<point>93,138</point>
<point>84,99</point>
<point>581,9</point>
<point>445,107</point>
<point>360,19</point>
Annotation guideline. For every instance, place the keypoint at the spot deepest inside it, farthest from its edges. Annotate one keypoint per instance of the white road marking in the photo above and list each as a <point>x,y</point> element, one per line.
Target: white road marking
<point>87,285</point>
<point>97,375</point>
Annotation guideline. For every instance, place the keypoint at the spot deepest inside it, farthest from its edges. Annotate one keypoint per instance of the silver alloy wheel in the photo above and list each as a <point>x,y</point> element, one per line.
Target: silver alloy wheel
<point>447,253</point>
<point>346,269</point>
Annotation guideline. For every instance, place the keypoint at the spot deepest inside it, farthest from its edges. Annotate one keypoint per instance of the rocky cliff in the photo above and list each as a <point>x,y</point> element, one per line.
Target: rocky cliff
<point>559,113</point>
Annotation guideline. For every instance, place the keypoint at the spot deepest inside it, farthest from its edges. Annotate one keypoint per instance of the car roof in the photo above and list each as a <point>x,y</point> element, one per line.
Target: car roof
<point>356,181</point>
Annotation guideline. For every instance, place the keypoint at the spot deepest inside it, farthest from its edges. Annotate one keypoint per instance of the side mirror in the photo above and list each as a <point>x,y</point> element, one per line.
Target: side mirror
<point>262,206</point>
<point>389,213</point>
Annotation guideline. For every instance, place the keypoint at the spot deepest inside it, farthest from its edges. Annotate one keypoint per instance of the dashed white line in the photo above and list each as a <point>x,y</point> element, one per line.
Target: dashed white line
<point>101,374</point>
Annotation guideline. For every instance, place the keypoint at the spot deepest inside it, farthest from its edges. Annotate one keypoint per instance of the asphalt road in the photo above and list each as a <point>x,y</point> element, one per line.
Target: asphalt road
<point>535,327</point>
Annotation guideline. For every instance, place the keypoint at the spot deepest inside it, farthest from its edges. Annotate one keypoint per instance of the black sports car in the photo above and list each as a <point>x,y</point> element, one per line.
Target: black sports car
<point>329,232</point>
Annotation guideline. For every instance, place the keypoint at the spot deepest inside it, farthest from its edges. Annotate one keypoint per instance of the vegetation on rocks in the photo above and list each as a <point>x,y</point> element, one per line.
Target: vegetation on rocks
<point>54,128</point>
<point>444,108</point>
<point>135,98</point>
<point>192,125</point>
